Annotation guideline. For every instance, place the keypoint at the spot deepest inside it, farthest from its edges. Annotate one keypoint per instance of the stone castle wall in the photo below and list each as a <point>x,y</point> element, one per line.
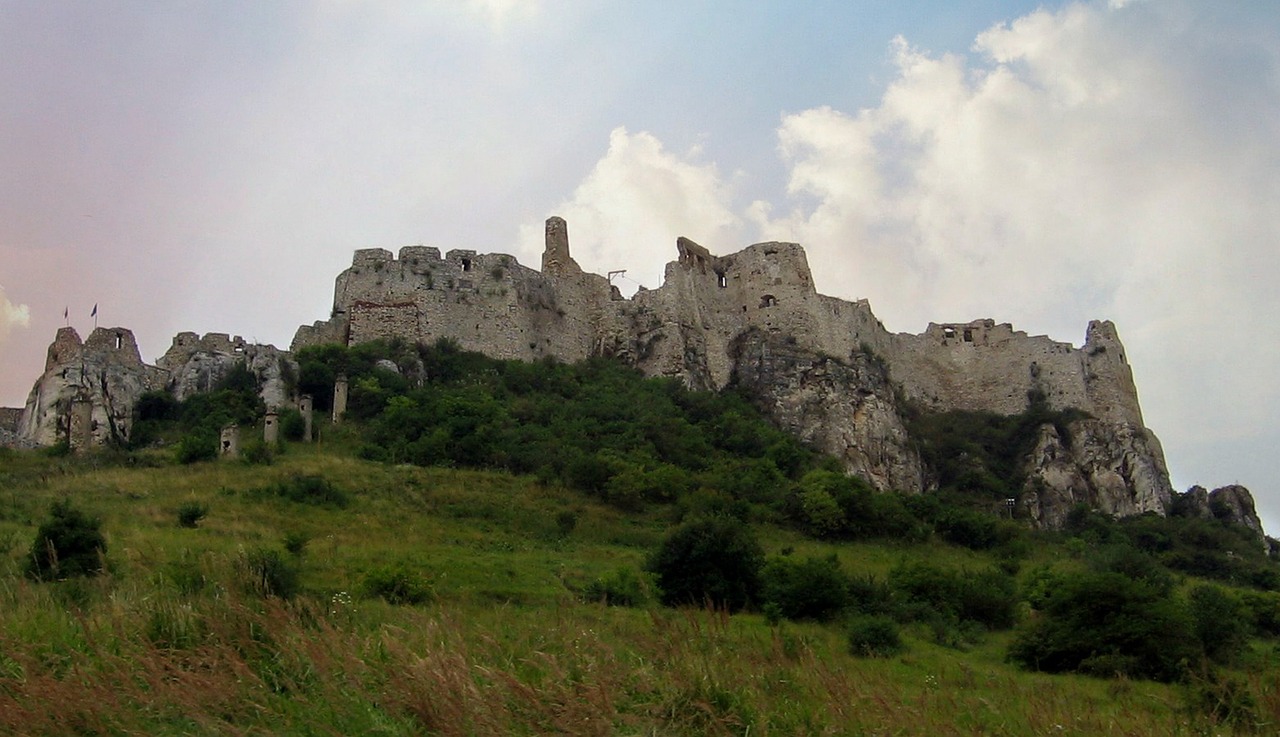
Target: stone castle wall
<point>685,328</point>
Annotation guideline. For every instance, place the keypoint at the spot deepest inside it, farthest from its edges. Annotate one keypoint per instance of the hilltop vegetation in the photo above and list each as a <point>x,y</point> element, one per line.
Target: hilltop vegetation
<point>491,547</point>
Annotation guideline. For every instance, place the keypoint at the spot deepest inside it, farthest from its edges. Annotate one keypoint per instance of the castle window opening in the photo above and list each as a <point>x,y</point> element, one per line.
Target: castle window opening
<point>721,280</point>
<point>768,300</point>
<point>948,332</point>
<point>968,335</point>
<point>466,264</point>
<point>119,341</point>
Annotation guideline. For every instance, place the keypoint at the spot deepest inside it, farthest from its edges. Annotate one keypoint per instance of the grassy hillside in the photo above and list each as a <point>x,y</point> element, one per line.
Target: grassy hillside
<point>329,589</point>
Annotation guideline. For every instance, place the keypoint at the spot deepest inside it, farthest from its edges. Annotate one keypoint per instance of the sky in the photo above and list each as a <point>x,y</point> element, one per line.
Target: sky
<point>211,166</point>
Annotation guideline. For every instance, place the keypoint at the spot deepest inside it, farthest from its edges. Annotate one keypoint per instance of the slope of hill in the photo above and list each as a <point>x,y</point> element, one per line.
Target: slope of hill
<point>332,588</point>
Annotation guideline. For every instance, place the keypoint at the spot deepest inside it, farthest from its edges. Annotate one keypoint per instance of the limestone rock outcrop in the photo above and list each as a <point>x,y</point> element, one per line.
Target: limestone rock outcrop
<point>104,374</point>
<point>89,389</point>
<point>1117,469</point>
<point>843,407</point>
<point>1232,504</point>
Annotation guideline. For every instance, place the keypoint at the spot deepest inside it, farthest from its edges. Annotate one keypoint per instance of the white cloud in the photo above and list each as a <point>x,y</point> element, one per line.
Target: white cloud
<point>1116,162</point>
<point>12,315</point>
<point>627,213</point>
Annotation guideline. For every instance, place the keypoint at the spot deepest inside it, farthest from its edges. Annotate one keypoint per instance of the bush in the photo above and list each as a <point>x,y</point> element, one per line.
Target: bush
<point>1104,623</point>
<point>314,490</point>
<point>68,543</point>
<point>566,522</point>
<point>814,588</point>
<point>256,453</point>
<point>396,584</point>
<point>295,542</point>
<point>928,592</point>
<point>292,425</point>
<point>190,514</point>
<point>874,636</point>
<point>270,574</point>
<point>1221,623</point>
<point>197,445</point>
<point>713,560</point>
<point>623,587</point>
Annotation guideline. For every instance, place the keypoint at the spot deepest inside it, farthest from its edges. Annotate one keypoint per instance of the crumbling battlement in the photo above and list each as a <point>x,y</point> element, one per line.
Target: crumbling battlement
<point>685,328</point>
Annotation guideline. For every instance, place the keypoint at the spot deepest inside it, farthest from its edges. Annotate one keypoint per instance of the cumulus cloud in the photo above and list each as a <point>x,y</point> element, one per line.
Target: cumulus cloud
<point>1095,161</point>
<point>628,211</point>
<point>12,315</point>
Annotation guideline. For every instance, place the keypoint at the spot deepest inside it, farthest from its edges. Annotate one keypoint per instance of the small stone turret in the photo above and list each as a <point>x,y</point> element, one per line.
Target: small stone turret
<point>555,258</point>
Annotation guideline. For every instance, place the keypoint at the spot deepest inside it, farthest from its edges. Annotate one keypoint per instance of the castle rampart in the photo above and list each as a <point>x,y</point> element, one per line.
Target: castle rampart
<point>492,304</point>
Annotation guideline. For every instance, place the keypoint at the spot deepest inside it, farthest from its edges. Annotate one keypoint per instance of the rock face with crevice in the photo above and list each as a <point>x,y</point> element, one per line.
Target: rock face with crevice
<point>1113,468</point>
<point>844,408</point>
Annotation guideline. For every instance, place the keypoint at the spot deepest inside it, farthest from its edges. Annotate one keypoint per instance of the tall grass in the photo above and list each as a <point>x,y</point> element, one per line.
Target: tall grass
<point>172,639</point>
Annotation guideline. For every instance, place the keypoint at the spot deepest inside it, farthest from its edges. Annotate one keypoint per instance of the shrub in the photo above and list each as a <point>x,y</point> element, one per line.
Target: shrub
<point>68,543</point>
<point>292,424</point>
<point>197,445</point>
<point>927,591</point>
<point>307,489</point>
<point>623,587</point>
<point>269,573</point>
<point>814,588</point>
<point>396,584</point>
<point>190,514</point>
<point>874,636</point>
<point>1104,623</point>
<point>713,560</point>
<point>566,522</point>
<point>256,453</point>
<point>1220,621</point>
<point>295,542</point>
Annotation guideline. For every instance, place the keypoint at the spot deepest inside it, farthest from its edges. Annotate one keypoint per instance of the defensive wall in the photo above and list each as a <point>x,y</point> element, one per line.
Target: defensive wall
<point>685,328</point>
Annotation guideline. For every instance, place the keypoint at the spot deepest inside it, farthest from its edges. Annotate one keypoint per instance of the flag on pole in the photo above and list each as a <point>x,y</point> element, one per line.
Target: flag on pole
<point>95,310</point>
<point>66,312</point>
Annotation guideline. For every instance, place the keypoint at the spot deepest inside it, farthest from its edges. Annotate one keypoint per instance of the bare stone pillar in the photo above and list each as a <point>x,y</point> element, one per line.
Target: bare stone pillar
<point>271,428</point>
<point>339,398</point>
<point>80,423</point>
<point>305,407</point>
<point>229,444</point>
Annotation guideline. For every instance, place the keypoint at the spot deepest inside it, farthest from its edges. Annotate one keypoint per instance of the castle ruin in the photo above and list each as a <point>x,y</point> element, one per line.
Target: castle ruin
<point>822,367</point>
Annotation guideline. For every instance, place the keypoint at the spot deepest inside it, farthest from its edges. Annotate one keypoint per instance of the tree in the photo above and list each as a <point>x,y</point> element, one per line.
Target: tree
<point>713,560</point>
